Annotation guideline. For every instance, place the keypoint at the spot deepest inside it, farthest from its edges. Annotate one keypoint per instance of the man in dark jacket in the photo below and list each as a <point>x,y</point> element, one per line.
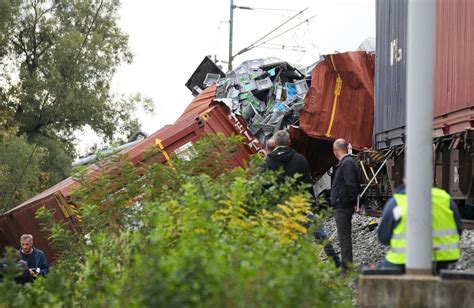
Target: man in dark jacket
<point>345,184</point>
<point>293,163</point>
<point>34,258</point>
<point>286,158</point>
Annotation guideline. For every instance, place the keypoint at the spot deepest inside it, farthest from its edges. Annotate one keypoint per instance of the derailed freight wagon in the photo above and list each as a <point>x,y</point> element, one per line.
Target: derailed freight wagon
<point>339,104</point>
<point>453,135</point>
<point>203,116</point>
<point>271,94</point>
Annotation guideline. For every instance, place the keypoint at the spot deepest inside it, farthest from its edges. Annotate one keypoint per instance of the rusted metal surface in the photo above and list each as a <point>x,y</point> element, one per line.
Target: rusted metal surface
<point>454,79</point>
<point>340,101</point>
<point>468,224</point>
<point>199,118</point>
<point>219,119</point>
<point>65,187</point>
<point>318,151</point>
<point>199,104</point>
<point>22,220</point>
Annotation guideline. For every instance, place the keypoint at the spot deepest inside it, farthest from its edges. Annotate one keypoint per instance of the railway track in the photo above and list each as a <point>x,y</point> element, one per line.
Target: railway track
<point>468,223</point>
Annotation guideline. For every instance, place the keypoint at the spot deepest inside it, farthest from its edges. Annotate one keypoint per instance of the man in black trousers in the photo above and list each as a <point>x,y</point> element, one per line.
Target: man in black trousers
<point>283,157</point>
<point>345,184</point>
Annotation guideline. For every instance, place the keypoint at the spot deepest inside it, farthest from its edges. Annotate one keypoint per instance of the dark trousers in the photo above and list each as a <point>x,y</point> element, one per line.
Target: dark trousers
<point>437,266</point>
<point>320,235</point>
<point>343,217</point>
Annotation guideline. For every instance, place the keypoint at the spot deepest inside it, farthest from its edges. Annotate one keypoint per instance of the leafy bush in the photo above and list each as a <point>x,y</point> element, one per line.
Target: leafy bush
<point>191,233</point>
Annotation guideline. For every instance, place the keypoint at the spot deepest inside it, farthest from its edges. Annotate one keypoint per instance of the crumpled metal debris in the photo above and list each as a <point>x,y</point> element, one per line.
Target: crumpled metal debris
<point>267,93</point>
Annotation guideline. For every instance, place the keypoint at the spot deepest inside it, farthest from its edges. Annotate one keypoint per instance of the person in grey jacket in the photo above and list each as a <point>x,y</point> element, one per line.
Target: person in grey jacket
<point>345,184</point>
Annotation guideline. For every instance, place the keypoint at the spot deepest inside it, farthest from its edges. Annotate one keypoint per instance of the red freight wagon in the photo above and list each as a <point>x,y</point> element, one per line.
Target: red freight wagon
<point>339,104</point>
<point>454,79</point>
<point>203,116</point>
<point>453,116</point>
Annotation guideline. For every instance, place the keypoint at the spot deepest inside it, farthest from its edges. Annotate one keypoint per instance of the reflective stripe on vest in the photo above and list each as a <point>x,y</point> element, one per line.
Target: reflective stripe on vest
<point>401,236</point>
<point>445,236</point>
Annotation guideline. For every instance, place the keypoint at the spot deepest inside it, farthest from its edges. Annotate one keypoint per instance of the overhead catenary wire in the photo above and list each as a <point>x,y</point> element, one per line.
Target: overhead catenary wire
<point>263,9</point>
<point>76,58</point>
<point>277,44</point>
<point>283,33</point>
<point>283,48</point>
<point>273,12</point>
<point>251,46</point>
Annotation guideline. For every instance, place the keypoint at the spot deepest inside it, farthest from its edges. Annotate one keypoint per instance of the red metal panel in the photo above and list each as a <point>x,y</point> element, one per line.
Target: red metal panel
<point>318,151</point>
<point>171,138</point>
<point>218,119</point>
<point>341,109</point>
<point>65,187</point>
<point>23,221</point>
<point>199,104</point>
<point>210,120</point>
<point>454,79</point>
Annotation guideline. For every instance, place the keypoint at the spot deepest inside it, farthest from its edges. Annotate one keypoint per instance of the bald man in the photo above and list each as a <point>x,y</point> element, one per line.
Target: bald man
<point>345,184</point>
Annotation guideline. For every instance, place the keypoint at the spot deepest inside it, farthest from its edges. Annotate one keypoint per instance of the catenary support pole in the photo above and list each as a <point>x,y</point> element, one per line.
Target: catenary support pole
<point>231,32</point>
<point>419,102</point>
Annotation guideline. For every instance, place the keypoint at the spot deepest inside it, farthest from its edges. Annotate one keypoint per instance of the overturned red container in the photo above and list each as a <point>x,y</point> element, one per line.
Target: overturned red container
<point>339,104</point>
<point>203,116</point>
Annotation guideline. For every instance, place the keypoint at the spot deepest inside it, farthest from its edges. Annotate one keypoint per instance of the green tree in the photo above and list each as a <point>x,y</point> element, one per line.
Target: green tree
<point>15,154</point>
<point>57,60</point>
<point>8,9</point>
<point>191,233</point>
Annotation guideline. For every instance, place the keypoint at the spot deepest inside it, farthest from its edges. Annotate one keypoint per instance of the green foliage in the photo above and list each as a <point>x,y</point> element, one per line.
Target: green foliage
<point>14,154</point>
<point>187,233</point>
<point>64,54</point>
<point>57,60</point>
<point>58,161</point>
<point>47,165</point>
<point>8,9</point>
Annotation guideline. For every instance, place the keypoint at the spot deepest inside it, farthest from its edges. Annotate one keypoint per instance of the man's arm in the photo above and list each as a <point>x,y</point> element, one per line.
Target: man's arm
<point>307,177</point>
<point>350,179</point>
<point>42,263</point>
<point>457,217</point>
<point>388,222</point>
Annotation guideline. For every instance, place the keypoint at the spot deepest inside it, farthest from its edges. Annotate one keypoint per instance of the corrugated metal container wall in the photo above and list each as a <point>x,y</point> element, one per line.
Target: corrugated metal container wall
<point>318,151</point>
<point>340,101</point>
<point>390,73</point>
<point>201,117</point>
<point>22,221</point>
<point>454,95</point>
<point>218,119</point>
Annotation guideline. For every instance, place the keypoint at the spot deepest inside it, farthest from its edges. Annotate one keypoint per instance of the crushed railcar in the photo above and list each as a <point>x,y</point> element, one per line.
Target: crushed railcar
<point>203,116</point>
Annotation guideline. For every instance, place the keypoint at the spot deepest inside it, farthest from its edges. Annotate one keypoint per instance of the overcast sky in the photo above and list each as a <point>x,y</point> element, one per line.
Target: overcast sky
<point>170,38</point>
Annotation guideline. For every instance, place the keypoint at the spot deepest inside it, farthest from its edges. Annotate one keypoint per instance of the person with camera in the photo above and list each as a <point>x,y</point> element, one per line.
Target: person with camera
<point>35,259</point>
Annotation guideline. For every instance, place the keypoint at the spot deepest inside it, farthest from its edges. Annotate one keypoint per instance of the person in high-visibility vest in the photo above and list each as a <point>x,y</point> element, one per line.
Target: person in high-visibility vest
<point>446,224</point>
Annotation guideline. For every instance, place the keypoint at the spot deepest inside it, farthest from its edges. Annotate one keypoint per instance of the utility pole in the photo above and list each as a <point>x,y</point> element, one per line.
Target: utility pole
<point>419,105</point>
<point>231,34</point>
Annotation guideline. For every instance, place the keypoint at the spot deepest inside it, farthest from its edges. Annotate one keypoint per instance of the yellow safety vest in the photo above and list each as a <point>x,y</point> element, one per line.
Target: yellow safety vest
<point>445,234</point>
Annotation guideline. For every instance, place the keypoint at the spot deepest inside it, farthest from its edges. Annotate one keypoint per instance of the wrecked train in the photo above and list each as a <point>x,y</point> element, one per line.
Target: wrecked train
<point>203,116</point>
<point>339,95</point>
<point>255,109</point>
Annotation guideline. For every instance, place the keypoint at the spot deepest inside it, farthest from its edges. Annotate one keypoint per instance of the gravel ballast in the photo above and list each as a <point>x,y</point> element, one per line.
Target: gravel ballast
<point>368,250</point>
